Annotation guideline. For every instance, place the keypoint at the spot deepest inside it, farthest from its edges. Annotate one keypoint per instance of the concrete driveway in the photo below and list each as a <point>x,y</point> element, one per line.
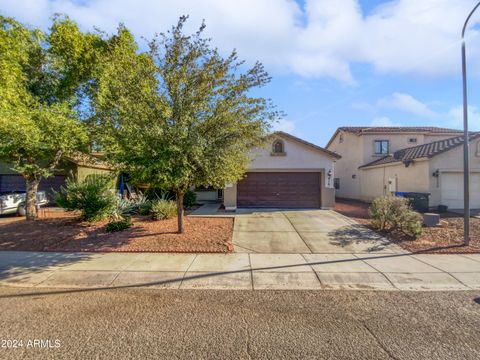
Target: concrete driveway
<point>304,231</point>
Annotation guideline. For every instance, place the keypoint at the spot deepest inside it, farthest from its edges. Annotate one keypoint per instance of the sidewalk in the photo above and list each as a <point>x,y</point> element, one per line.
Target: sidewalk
<point>241,271</point>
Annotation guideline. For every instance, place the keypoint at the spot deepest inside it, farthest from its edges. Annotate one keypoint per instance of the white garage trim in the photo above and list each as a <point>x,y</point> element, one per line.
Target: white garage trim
<point>451,189</point>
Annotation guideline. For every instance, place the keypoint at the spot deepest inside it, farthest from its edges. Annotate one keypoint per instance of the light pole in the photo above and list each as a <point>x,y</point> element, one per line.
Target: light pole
<point>466,165</point>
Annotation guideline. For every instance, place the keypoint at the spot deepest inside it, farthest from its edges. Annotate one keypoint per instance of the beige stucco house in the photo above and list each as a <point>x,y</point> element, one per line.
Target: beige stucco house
<point>287,173</point>
<point>380,160</point>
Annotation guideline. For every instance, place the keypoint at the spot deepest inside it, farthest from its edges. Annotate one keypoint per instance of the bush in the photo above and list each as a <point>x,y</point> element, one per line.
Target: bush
<point>142,205</point>
<point>163,209</point>
<point>92,196</point>
<point>119,225</point>
<point>129,207</point>
<point>122,208</point>
<point>145,208</point>
<point>391,213</point>
<point>189,199</point>
<point>154,193</point>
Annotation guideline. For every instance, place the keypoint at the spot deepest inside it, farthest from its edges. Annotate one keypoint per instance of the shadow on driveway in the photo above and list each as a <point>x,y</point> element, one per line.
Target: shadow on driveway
<point>359,235</point>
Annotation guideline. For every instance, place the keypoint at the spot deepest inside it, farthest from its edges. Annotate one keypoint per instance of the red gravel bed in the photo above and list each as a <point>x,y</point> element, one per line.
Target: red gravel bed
<point>446,239</point>
<point>64,232</point>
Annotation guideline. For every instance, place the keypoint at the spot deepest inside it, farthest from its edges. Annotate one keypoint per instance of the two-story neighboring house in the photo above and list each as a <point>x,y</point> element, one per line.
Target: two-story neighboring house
<point>379,160</point>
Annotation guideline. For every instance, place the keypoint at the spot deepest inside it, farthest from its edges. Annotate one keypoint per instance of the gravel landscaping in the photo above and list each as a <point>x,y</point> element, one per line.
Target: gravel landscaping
<point>59,231</point>
<point>440,240</point>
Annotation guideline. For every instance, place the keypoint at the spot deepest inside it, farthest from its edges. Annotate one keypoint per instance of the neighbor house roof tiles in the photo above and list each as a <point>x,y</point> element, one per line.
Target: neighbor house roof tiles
<point>396,129</point>
<point>360,130</point>
<point>421,151</point>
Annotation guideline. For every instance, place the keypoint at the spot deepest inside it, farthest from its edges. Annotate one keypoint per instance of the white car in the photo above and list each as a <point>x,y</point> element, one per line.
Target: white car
<point>13,202</point>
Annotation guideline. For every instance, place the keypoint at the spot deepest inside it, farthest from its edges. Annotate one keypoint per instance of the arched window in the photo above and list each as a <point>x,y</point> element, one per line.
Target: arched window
<point>278,147</point>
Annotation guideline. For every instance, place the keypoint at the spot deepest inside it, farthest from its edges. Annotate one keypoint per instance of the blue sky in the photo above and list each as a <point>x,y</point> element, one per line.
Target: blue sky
<point>334,62</point>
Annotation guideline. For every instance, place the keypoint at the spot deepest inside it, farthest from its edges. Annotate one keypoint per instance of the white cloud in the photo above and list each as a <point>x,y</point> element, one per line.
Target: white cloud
<point>406,103</point>
<point>450,118</point>
<point>454,117</point>
<point>322,39</point>
<point>383,121</point>
<point>284,125</point>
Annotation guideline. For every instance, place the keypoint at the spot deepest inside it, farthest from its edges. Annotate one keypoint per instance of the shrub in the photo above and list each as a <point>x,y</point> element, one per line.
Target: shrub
<point>142,205</point>
<point>128,207</point>
<point>391,213</point>
<point>145,208</point>
<point>189,199</point>
<point>163,209</point>
<point>122,208</point>
<point>92,196</point>
<point>154,193</point>
<point>119,225</point>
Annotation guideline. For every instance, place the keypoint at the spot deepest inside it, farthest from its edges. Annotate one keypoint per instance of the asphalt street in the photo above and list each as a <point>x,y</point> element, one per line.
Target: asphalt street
<point>172,324</point>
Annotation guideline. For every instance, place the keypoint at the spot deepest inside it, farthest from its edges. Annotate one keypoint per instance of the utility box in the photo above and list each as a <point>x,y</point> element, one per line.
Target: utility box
<point>431,219</point>
<point>392,185</point>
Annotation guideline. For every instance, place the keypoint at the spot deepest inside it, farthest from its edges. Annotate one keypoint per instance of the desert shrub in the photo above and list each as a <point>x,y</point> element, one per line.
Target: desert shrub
<point>163,209</point>
<point>119,225</point>
<point>145,208</point>
<point>122,208</point>
<point>154,193</point>
<point>128,207</point>
<point>189,199</point>
<point>142,205</point>
<point>392,213</point>
<point>92,197</point>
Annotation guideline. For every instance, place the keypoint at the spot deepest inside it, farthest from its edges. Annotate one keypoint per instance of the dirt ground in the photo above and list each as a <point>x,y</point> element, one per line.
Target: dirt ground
<point>447,239</point>
<point>60,231</point>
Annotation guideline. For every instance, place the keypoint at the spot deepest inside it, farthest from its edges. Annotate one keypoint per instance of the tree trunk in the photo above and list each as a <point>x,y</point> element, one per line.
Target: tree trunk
<point>180,211</point>
<point>31,199</point>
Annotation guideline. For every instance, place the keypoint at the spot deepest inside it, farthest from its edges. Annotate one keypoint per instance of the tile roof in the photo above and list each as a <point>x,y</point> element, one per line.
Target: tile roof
<point>327,152</point>
<point>359,130</point>
<point>421,151</point>
<point>90,160</point>
<point>394,129</point>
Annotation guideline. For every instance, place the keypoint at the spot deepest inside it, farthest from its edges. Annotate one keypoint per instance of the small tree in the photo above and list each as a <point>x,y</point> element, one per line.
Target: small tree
<point>41,79</point>
<point>392,213</point>
<point>187,118</point>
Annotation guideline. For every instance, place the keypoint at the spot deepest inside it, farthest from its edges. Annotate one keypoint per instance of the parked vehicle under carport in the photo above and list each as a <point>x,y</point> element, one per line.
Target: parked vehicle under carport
<point>13,202</point>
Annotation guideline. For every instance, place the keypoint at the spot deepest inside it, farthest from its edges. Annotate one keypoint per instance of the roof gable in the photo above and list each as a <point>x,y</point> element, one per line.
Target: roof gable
<point>304,142</point>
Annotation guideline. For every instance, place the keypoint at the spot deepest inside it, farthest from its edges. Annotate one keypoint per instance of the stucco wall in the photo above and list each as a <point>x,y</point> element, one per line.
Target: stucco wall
<point>346,168</point>
<point>82,172</point>
<point>418,177</point>
<point>6,168</point>
<point>230,197</point>
<point>359,150</point>
<point>452,161</point>
<point>374,182</point>
<point>63,169</point>
<point>298,157</point>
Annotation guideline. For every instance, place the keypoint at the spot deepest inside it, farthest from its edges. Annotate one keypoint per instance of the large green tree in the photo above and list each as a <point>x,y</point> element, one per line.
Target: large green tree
<point>187,117</point>
<point>43,79</point>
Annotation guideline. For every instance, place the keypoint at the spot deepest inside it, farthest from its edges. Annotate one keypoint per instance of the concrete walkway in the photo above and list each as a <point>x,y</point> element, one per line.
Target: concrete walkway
<point>387,271</point>
<point>210,209</point>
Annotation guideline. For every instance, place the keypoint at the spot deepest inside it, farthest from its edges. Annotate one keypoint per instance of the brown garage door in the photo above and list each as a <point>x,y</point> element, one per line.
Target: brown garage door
<point>279,190</point>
